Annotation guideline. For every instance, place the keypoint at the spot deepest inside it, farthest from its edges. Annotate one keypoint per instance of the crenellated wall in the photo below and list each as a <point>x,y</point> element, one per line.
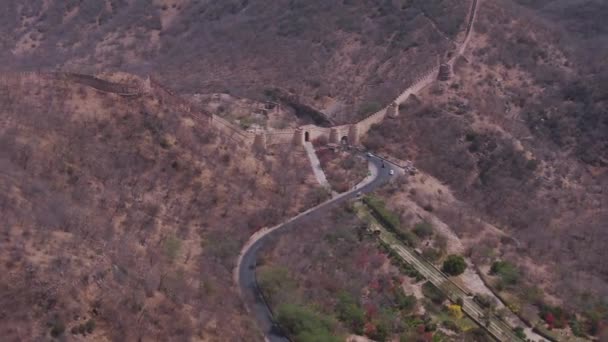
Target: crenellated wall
<point>278,137</point>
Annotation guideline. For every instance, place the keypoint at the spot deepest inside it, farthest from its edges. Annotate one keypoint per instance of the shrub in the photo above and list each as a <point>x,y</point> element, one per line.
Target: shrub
<point>380,330</point>
<point>454,265</point>
<point>57,328</point>
<point>413,321</point>
<point>83,329</point>
<point>423,229</point>
<point>577,328</point>
<point>455,310</point>
<point>305,325</point>
<point>431,254</point>
<point>403,301</point>
<point>508,273</point>
<point>451,325</point>
<point>519,332</point>
<point>348,163</point>
<point>350,312</point>
<point>172,247</point>
<point>369,108</point>
<point>554,316</point>
<point>273,280</point>
<point>342,186</point>
<point>485,301</point>
<point>388,218</point>
<point>406,268</point>
<point>433,293</point>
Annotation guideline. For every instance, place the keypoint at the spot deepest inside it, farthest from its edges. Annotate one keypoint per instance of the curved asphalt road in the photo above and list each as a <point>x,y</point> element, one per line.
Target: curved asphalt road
<point>246,268</point>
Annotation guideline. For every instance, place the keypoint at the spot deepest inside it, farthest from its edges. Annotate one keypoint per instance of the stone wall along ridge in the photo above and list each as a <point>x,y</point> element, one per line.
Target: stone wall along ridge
<point>231,130</point>
<point>102,85</point>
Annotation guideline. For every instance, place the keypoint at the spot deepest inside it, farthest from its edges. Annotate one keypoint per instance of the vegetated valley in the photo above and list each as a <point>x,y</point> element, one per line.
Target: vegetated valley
<point>123,214</point>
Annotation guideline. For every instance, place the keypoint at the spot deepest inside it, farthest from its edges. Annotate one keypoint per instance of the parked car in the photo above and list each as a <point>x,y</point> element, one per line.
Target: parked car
<point>391,172</point>
<point>369,154</point>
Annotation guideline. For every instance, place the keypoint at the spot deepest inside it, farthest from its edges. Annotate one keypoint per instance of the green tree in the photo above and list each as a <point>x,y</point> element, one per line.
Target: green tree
<point>519,332</point>
<point>57,328</point>
<point>305,325</point>
<point>350,312</point>
<point>382,330</point>
<point>508,273</point>
<point>454,265</point>
<point>423,229</point>
<point>387,217</point>
<point>404,302</point>
<point>274,280</point>
<point>433,293</point>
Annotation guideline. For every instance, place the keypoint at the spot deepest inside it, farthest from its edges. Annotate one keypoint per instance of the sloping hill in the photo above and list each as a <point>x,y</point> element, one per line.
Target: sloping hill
<point>126,213</point>
<point>359,53</point>
<point>519,135</point>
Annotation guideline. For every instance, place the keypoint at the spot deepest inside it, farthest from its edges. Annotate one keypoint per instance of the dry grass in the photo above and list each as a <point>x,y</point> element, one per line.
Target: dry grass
<point>342,169</point>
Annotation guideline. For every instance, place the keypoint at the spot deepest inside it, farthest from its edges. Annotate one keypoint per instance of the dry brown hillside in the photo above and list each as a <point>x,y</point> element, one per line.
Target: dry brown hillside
<point>520,137</point>
<point>122,216</point>
<point>346,57</point>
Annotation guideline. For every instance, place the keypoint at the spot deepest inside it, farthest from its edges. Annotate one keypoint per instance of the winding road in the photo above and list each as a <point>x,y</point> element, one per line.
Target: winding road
<point>245,273</point>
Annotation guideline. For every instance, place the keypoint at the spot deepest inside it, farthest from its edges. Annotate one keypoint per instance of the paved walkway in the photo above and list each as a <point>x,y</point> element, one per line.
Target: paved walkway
<point>316,165</point>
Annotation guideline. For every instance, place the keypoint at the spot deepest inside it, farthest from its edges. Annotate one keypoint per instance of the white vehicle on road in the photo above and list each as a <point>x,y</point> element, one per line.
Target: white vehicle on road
<point>369,154</point>
<point>391,172</point>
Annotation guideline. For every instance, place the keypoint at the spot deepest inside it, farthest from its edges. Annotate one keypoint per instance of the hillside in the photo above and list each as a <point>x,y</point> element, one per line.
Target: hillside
<point>343,57</point>
<point>125,202</point>
<point>122,216</point>
<point>519,136</point>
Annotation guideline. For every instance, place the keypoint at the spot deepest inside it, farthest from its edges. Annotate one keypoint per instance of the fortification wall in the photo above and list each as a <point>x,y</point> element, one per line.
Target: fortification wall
<point>342,131</point>
<point>277,137</point>
<point>274,137</point>
<point>423,80</point>
<point>98,84</point>
<point>102,85</point>
<point>167,97</point>
<point>314,132</point>
<point>231,130</point>
<point>374,119</point>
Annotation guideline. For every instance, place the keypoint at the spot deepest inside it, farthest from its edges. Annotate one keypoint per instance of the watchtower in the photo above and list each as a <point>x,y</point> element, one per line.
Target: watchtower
<point>445,72</point>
